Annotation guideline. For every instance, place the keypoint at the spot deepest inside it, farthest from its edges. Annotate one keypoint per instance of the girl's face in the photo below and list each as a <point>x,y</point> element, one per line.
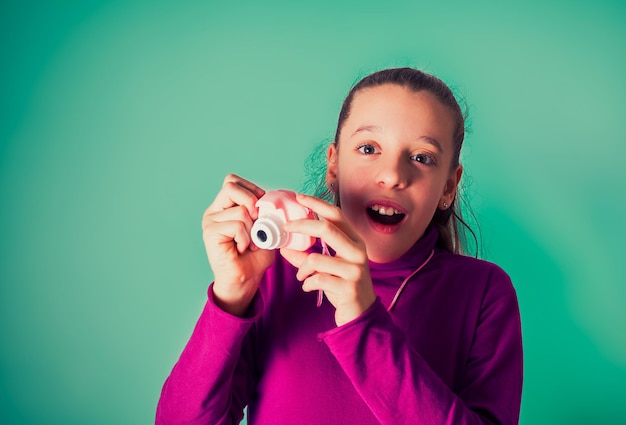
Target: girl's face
<point>392,166</point>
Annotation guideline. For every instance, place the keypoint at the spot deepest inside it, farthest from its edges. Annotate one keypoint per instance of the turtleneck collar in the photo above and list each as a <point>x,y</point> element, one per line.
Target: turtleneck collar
<point>416,255</point>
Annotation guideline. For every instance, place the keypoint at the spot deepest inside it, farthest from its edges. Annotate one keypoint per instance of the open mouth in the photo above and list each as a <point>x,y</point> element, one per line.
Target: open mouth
<point>385,215</point>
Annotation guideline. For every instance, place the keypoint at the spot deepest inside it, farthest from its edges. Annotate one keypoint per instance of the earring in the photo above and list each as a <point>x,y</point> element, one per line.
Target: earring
<point>332,187</point>
<point>445,205</point>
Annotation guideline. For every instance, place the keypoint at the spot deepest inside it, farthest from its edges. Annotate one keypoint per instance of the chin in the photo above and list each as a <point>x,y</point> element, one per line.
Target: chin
<point>390,251</point>
<point>386,257</point>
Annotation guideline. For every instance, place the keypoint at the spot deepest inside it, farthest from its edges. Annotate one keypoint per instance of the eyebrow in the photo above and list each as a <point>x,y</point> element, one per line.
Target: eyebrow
<point>377,129</point>
<point>372,128</point>
<point>432,142</point>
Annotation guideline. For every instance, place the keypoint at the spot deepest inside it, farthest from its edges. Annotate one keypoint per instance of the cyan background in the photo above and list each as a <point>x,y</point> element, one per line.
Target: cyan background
<point>119,120</point>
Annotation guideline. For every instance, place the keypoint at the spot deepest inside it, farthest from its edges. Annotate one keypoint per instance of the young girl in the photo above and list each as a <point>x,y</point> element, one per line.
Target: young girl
<point>410,332</point>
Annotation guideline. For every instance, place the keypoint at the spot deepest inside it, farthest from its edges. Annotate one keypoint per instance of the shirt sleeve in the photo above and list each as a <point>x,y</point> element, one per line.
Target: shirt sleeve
<point>399,386</point>
<point>213,378</point>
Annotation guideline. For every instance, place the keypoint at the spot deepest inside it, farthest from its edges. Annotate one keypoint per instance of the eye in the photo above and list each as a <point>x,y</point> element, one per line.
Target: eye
<point>367,149</point>
<point>424,159</point>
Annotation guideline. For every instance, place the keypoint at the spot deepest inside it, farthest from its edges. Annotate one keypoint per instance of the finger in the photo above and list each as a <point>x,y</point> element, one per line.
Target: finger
<point>349,301</point>
<point>323,282</point>
<point>227,233</point>
<point>295,258</point>
<point>233,178</point>
<point>344,246</point>
<point>328,212</point>
<point>236,213</point>
<point>319,263</point>
<point>233,194</point>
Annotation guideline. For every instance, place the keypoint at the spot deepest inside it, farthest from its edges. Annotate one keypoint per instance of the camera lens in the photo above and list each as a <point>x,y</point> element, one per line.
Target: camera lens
<point>261,235</point>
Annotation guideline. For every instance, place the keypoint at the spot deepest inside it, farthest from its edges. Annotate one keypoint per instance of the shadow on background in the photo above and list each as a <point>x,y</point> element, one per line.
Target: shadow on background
<point>569,378</point>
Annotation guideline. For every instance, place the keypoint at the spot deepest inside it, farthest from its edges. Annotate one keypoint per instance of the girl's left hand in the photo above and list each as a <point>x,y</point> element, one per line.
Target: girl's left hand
<point>344,278</point>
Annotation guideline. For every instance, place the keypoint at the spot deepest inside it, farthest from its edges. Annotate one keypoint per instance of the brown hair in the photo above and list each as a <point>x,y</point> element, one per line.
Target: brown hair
<point>447,221</point>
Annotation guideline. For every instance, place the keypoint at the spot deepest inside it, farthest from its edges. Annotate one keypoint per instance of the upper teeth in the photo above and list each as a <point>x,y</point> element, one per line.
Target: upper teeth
<point>385,210</point>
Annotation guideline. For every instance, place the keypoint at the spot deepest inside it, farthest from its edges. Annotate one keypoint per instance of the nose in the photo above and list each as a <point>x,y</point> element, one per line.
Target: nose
<point>393,173</point>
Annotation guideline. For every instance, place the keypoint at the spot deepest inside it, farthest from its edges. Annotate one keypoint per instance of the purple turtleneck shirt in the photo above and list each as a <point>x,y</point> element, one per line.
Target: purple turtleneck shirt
<point>449,352</point>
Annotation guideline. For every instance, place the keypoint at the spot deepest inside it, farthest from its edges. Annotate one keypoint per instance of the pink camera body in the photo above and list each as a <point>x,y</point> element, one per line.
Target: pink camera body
<point>276,208</point>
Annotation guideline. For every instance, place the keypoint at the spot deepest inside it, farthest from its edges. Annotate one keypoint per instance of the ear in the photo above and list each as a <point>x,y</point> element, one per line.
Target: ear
<point>331,162</point>
<point>449,192</point>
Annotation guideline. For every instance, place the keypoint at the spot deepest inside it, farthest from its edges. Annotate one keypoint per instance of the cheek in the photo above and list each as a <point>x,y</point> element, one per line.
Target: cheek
<point>437,183</point>
<point>432,198</point>
<point>426,198</point>
<point>352,194</point>
<point>349,176</point>
<point>435,191</point>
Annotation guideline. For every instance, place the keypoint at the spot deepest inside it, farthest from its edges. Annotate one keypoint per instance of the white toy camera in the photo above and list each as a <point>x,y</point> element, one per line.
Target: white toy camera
<point>276,208</point>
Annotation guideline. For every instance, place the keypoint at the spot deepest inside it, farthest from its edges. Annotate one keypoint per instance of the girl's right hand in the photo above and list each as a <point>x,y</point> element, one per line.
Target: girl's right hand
<point>238,265</point>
